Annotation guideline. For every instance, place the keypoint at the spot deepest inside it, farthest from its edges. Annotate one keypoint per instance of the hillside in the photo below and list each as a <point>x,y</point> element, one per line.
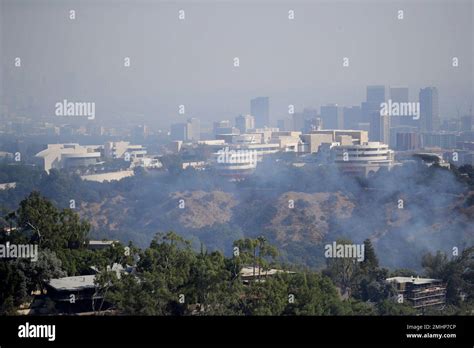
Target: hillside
<point>292,209</point>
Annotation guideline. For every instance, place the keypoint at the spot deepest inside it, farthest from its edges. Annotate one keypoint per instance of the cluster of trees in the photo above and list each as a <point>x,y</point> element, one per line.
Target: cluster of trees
<point>458,274</point>
<point>61,238</point>
<point>173,278</point>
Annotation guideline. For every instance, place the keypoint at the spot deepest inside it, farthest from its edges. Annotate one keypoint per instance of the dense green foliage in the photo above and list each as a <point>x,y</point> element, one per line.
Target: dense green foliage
<point>173,277</point>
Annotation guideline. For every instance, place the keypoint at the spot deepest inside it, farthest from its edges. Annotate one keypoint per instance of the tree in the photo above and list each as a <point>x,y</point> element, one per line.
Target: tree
<point>55,229</point>
<point>434,265</point>
<point>342,271</point>
<point>370,263</point>
<point>255,252</point>
<point>390,307</point>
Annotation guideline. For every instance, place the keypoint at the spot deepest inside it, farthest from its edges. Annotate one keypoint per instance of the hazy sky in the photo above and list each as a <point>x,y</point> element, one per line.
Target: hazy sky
<point>190,61</point>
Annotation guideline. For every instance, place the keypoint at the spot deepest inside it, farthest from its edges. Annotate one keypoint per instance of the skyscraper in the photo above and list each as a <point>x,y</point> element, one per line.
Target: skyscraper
<point>400,95</point>
<point>429,109</point>
<point>285,124</point>
<point>375,97</point>
<point>189,131</point>
<point>139,132</point>
<point>244,123</point>
<point>376,94</point>
<point>331,116</point>
<point>466,123</point>
<point>179,131</point>
<point>352,117</point>
<point>194,129</point>
<point>260,109</point>
<point>380,128</point>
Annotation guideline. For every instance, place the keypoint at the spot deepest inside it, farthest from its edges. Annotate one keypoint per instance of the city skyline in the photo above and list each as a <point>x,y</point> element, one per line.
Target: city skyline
<point>299,61</point>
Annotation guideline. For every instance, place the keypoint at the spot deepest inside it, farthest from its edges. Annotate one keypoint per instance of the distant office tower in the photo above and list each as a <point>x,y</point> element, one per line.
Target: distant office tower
<point>140,132</point>
<point>451,125</point>
<point>312,124</point>
<point>300,118</point>
<point>179,131</point>
<point>298,121</point>
<point>466,123</point>
<point>194,129</point>
<point>375,94</point>
<point>221,124</point>
<point>400,95</point>
<point>223,127</point>
<point>352,117</point>
<point>380,128</point>
<point>244,123</point>
<point>375,97</point>
<point>331,116</point>
<point>385,124</point>
<point>285,124</point>
<point>408,141</point>
<point>310,113</point>
<point>429,109</point>
<point>444,140</point>
<point>260,109</point>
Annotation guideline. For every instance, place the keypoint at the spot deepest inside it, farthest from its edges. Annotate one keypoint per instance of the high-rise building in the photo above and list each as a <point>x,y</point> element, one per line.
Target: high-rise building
<point>385,124</point>
<point>352,117</point>
<point>303,120</point>
<point>189,131</point>
<point>140,132</point>
<point>407,141</point>
<point>429,109</point>
<point>260,109</point>
<point>375,97</point>
<point>466,123</point>
<point>244,123</point>
<point>179,131</point>
<point>285,124</point>
<point>375,94</point>
<point>400,95</point>
<point>194,129</point>
<point>444,140</point>
<point>331,116</point>
<point>223,127</point>
<point>380,128</point>
<point>312,124</point>
<point>298,121</point>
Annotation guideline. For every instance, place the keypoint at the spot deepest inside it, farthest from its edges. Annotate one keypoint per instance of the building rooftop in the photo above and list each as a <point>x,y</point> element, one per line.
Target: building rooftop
<point>247,272</point>
<point>416,281</point>
<point>103,242</point>
<point>73,283</point>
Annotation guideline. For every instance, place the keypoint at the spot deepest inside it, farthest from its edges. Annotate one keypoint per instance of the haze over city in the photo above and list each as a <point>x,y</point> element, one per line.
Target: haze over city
<point>234,159</point>
<point>190,62</point>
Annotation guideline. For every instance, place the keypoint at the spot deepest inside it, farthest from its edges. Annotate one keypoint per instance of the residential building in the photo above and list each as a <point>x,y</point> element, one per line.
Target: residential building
<point>420,293</point>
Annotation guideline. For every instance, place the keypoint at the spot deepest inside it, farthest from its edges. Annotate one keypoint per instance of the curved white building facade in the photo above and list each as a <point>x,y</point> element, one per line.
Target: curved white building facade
<point>364,159</point>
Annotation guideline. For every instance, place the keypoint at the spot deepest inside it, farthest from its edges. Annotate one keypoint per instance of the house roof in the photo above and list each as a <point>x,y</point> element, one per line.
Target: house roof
<point>73,283</point>
<point>416,281</point>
